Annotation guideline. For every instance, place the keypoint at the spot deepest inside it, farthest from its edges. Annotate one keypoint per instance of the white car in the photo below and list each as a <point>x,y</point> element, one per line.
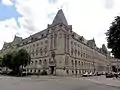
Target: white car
<point>86,74</point>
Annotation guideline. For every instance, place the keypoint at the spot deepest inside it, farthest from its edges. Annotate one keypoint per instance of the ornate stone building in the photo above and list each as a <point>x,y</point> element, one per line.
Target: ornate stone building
<point>58,49</point>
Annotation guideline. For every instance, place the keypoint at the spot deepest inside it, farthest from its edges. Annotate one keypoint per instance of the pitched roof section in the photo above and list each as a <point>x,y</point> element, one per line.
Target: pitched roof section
<point>60,18</point>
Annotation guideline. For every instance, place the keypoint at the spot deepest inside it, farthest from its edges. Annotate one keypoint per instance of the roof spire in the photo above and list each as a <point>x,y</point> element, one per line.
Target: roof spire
<point>60,18</point>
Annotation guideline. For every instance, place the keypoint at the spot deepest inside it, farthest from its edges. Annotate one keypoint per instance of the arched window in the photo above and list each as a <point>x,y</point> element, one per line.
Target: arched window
<point>79,62</point>
<point>35,71</point>
<point>82,63</point>
<point>40,62</point>
<point>41,51</point>
<point>73,72</point>
<point>75,51</point>
<point>75,63</point>
<point>55,40</point>
<point>45,62</point>
<point>67,71</point>
<point>72,62</point>
<point>36,62</point>
<point>76,72</point>
<point>36,52</point>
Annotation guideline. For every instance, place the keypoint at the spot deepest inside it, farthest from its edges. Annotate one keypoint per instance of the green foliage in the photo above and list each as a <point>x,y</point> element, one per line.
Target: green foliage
<point>113,37</point>
<point>22,58</point>
<point>16,59</point>
<point>8,60</point>
<point>1,58</point>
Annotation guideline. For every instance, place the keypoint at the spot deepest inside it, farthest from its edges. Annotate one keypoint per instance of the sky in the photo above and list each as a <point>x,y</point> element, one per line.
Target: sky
<point>89,18</point>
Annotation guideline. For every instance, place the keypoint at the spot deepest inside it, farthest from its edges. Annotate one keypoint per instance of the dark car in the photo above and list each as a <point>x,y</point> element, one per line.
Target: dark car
<point>109,75</point>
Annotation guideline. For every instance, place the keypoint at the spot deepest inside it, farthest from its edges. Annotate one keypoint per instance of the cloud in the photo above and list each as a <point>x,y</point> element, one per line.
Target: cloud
<point>8,11</point>
<point>8,28</point>
<point>89,18</point>
<point>51,15</point>
<point>7,2</point>
<point>52,1</point>
<point>109,4</point>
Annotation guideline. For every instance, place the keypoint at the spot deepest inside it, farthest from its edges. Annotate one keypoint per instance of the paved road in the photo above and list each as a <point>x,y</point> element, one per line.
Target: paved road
<point>50,83</point>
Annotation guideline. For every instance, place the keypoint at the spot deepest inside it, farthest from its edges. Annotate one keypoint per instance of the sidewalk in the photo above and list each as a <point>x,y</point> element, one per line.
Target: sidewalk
<point>105,81</point>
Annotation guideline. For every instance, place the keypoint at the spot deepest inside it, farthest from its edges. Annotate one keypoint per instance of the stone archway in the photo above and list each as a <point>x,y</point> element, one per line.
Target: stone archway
<point>52,69</point>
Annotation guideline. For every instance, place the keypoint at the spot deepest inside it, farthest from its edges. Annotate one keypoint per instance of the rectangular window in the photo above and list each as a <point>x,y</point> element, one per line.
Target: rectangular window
<point>36,52</point>
<point>41,43</point>
<point>37,44</point>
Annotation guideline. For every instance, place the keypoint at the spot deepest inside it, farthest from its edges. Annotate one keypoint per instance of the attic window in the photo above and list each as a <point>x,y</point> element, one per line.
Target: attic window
<point>73,34</point>
<point>42,35</point>
<point>47,32</point>
<point>61,25</point>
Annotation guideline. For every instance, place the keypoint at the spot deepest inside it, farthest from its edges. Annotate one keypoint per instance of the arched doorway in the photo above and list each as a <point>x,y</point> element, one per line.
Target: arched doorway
<point>52,68</point>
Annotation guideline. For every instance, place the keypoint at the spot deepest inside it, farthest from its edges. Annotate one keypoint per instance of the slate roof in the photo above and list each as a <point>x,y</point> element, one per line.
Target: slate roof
<point>60,18</point>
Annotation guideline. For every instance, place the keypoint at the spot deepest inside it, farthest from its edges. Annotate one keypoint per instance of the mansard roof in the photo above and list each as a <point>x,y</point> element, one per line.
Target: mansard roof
<point>91,43</point>
<point>5,45</point>
<point>60,18</point>
<point>16,37</point>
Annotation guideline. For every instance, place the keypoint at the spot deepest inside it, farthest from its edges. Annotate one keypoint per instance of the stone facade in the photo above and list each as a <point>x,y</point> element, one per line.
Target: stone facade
<point>73,55</point>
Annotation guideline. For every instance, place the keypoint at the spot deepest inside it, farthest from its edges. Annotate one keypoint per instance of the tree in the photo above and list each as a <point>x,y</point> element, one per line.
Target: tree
<point>113,37</point>
<point>8,60</point>
<point>114,69</point>
<point>22,58</point>
<point>1,59</point>
<point>16,59</point>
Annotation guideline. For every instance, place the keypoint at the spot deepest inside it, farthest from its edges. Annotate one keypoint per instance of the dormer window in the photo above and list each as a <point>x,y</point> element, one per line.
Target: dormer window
<point>61,25</point>
<point>42,35</point>
<point>73,35</point>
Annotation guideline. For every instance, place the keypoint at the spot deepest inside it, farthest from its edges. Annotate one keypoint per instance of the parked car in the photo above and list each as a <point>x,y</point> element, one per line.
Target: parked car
<point>109,75</point>
<point>85,75</point>
<point>90,74</point>
<point>44,72</point>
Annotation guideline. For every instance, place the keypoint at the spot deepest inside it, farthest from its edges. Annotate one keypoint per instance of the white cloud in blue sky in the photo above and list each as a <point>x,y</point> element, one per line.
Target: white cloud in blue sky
<point>90,18</point>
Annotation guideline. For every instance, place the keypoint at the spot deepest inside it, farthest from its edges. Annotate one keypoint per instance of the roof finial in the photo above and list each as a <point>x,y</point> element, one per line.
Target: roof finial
<point>61,7</point>
<point>60,18</point>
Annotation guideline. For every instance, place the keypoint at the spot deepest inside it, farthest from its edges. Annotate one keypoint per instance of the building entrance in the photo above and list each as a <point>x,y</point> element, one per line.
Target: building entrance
<point>52,68</point>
